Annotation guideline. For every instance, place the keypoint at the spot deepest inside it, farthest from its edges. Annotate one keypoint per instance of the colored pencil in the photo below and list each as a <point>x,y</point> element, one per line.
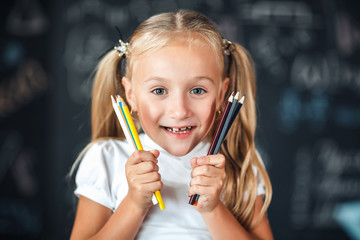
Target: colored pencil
<point>131,134</point>
<point>221,124</point>
<point>120,113</point>
<point>221,137</point>
<point>216,136</point>
<point>238,107</point>
<point>226,124</point>
<point>231,110</point>
<point>122,122</point>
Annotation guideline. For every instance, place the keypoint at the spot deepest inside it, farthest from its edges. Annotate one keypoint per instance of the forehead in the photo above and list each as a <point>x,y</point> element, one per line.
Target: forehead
<point>180,50</point>
<point>149,44</point>
<point>178,61</point>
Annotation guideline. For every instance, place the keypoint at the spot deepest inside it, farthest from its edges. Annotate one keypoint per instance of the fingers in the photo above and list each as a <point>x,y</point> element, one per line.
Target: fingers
<point>208,191</point>
<point>212,181</point>
<point>211,166</point>
<point>145,167</point>
<point>217,160</point>
<point>207,170</point>
<point>207,179</point>
<point>143,156</point>
<point>142,162</point>
<point>149,183</point>
<point>148,177</point>
<point>142,173</point>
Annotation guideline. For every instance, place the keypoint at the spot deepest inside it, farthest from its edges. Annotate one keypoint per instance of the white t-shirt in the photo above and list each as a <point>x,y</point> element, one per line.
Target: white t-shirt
<point>101,178</point>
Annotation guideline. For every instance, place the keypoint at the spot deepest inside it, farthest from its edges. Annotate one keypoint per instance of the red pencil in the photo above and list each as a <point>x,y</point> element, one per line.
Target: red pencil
<point>221,124</point>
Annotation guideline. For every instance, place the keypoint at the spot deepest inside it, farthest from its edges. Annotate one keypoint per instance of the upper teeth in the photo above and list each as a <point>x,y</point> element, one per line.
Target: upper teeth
<point>179,130</point>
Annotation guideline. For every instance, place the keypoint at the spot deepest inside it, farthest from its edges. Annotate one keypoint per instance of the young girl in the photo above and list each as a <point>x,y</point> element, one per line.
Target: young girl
<point>178,74</point>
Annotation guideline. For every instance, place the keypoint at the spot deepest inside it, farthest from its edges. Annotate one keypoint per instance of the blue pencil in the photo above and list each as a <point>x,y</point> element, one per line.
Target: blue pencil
<point>237,110</point>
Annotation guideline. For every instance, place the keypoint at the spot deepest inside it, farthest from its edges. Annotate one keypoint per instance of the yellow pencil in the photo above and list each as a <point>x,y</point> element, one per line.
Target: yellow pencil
<point>122,122</point>
<point>138,144</point>
<point>124,125</point>
<point>131,125</point>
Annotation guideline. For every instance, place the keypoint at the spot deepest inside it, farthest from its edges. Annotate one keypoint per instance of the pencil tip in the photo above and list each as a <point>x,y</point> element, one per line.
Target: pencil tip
<point>237,95</point>
<point>242,99</point>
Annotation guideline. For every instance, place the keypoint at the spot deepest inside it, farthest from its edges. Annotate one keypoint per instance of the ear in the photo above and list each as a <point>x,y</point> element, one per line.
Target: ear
<point>129,93</point>
<point>224,87</point>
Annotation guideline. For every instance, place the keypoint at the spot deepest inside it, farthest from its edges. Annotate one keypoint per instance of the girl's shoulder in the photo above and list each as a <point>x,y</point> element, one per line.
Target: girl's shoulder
<point>107,146</point>
<point>106,152</point>
<point>101,170</point>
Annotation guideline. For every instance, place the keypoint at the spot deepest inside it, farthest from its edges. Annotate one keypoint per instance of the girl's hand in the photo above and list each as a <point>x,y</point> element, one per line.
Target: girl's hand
<point>142,173</point>
<point>208,176</point>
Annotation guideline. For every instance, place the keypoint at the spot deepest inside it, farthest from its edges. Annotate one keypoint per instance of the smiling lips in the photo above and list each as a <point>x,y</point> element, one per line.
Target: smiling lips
<point>178,130</point>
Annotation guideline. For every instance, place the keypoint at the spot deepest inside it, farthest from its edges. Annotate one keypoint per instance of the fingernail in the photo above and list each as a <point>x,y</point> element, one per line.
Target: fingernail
<point>201,160</point>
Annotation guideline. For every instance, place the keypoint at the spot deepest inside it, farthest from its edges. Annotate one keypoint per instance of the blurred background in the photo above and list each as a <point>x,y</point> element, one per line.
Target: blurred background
<point>308,69</point>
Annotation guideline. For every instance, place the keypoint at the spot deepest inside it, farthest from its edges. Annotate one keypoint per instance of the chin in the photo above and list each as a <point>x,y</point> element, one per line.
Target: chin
<point>177,152</point>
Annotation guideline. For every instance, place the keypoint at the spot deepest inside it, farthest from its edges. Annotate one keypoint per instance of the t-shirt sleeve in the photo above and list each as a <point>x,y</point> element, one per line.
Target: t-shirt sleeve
<point>259,179</point>
<point>93,176</point>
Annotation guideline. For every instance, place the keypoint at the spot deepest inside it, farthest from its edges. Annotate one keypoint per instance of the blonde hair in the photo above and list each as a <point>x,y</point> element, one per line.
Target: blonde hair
<point>238,147</point>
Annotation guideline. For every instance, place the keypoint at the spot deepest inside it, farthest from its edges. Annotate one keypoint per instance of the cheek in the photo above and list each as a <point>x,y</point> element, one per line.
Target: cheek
<point>148,112</point>
<point>208,113</point>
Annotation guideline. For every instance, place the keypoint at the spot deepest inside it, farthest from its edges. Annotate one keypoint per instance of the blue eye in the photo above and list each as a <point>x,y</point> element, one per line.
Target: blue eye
<point>159,91</point>
<point>197,91</point>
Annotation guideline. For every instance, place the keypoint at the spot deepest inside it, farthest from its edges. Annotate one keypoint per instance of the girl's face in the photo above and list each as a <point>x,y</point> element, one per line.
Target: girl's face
<point>176,91</point>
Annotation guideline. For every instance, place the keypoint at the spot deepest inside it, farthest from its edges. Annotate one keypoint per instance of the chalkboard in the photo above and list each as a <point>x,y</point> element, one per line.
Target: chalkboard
<point>307,64</point>
<point>307,60</point>
<point>24,84</point>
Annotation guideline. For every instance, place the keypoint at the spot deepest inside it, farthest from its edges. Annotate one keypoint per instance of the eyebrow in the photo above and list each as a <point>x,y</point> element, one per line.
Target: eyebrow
<point>205,78</point>
<point>161,79</point>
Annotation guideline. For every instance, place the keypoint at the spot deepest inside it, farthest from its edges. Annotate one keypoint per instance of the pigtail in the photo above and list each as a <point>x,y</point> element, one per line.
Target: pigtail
<point>107,82</point>
<point>239,146</point>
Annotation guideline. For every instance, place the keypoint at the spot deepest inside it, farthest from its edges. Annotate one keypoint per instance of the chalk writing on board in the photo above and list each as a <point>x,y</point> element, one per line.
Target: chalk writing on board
<point>276,32</point>
<point>325,174</point>
<point>292,110</point>
<point>325,72</point>
<point>285,14</point>
<point>314,109</point>
<point>29,82</point>
<point>301,197</point>
<point>87,39</point>
<point>26,18</point>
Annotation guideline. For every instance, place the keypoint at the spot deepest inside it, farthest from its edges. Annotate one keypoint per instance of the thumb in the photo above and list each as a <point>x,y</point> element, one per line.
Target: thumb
<point>193,162</point>
<point>155,152</point>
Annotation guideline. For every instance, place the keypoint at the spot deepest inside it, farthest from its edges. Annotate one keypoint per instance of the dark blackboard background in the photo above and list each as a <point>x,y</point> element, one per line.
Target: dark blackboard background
<point>307,60</point>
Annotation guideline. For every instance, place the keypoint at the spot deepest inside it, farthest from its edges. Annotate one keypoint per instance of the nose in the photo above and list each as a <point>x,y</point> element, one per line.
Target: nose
<point>179,107</point>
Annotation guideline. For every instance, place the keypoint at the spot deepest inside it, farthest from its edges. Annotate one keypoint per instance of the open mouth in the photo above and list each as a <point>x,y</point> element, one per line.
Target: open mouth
<point>182,130</point>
